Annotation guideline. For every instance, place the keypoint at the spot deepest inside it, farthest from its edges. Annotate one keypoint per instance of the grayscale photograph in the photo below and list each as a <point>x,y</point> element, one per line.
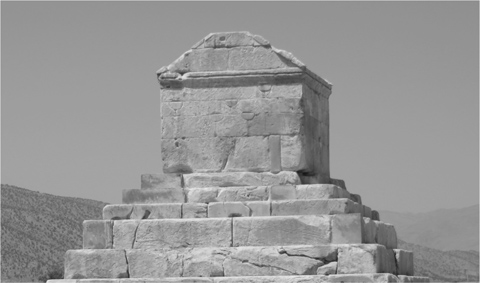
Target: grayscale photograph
<point>239,142</point>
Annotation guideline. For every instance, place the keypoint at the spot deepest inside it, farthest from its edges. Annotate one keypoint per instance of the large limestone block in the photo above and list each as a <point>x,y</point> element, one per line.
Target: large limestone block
<point>404,262</point>
<point>326,253</point>
<point>252,193</point>
<point>312,207</point>
<point>178,233</point>
<point>97,234</point>
<point>228,209</point>
<point>281,230</point>
<point>204,262</point>
<point>327,269</point>
<point>142,211</point>
<point>347,228</point>
<point>366,258</point>
<point>369,231</point>
<point>95,264</point>
<point>239,209</point>
<point>203,153</point>
<point>312,191</point>
<point>386,235</point>
<point>249,154</point>
<point>268,261</point>
<point>124,233</point>
<point>194,210</point>
<point>293,153</point>
<point>161,181</point>
<point>153,264</point>
<point>153,196</point>
<point>235,179</point>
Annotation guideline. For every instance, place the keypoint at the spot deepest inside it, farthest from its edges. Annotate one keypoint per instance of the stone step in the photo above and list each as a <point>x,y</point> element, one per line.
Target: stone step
<point>242,194</point>
<point>238,261</point>
<point>231,209</point>
<point>373,278</point>
<point>237,231</point>
<point>224,232</point>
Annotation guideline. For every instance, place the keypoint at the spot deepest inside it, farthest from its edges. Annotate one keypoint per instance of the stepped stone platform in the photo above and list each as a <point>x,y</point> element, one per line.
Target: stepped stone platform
<point>245,194</point>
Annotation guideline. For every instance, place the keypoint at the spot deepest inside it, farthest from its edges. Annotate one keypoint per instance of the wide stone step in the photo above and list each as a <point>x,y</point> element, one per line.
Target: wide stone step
<point>224,232</point>
<point>238,261</point>
<point>231,209</point>
<point>235,193</point>
<point>237,231</point>
<point>373,278</point>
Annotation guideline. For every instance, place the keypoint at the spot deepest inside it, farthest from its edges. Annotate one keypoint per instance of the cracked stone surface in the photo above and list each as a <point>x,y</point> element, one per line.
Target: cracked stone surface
<point>285,230</point>
<point>177,233</point>
<point>365,258</point>
<point>95,264</point>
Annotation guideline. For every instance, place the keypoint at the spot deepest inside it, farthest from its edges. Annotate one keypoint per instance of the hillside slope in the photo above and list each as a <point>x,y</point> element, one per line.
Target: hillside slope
<point>38,228</point>
<point>444,229</point>
<point>441,266</point>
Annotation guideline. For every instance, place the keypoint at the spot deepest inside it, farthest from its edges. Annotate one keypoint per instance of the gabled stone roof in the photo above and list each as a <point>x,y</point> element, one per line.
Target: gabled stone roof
<point>234,52</point>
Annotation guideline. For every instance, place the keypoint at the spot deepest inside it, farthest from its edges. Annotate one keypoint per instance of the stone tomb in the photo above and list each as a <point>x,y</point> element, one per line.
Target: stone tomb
<point>245,194</point>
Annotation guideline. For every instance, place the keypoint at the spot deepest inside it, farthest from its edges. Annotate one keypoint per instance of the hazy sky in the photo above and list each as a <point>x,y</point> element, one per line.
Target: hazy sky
<point>80,99</point>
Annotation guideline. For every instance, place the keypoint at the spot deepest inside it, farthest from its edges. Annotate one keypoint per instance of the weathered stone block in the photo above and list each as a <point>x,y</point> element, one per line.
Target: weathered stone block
<point>124,233</point>
<point>81,264</point>
<point>274,146</point>
<point>367,211</point>
<point>235,179</point>
<point>194,210</point>
<point>283,192</point>
<point>347,228</point>
<point>375,215</point>
<point>327,269</point>
<point>154,264</point>
<point>97,234</point>
<point>356,198</point>
<point>249,154</point>
<point>326,253</point>
<point>266,261</point>
<point>204,262</point>
<point>311,207</point>
<point>153,196</point>
<point>204,195</point>
<point>142,211</point>
<point>321,191</point>
<point>259,208</point>
<point>293,153</point>
<point>386,235</point>
<point>251,193</point>
<point>228,209</point>
<point>281,230</point>
<point>253,58</point>
<point>186,155</point>
<point>367,258</point>
<point>369,231</point>
<point>404,262</point>
<point>181,233</point>
<point>161,181</point>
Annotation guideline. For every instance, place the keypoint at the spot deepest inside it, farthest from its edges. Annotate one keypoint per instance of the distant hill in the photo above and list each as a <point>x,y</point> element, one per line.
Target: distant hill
<point>443,266</point>
<point>444,229</point>
<point>37,230</point>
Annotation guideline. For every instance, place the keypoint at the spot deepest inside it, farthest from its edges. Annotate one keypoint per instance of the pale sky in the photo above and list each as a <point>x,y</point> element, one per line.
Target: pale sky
<point>80,100</point>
